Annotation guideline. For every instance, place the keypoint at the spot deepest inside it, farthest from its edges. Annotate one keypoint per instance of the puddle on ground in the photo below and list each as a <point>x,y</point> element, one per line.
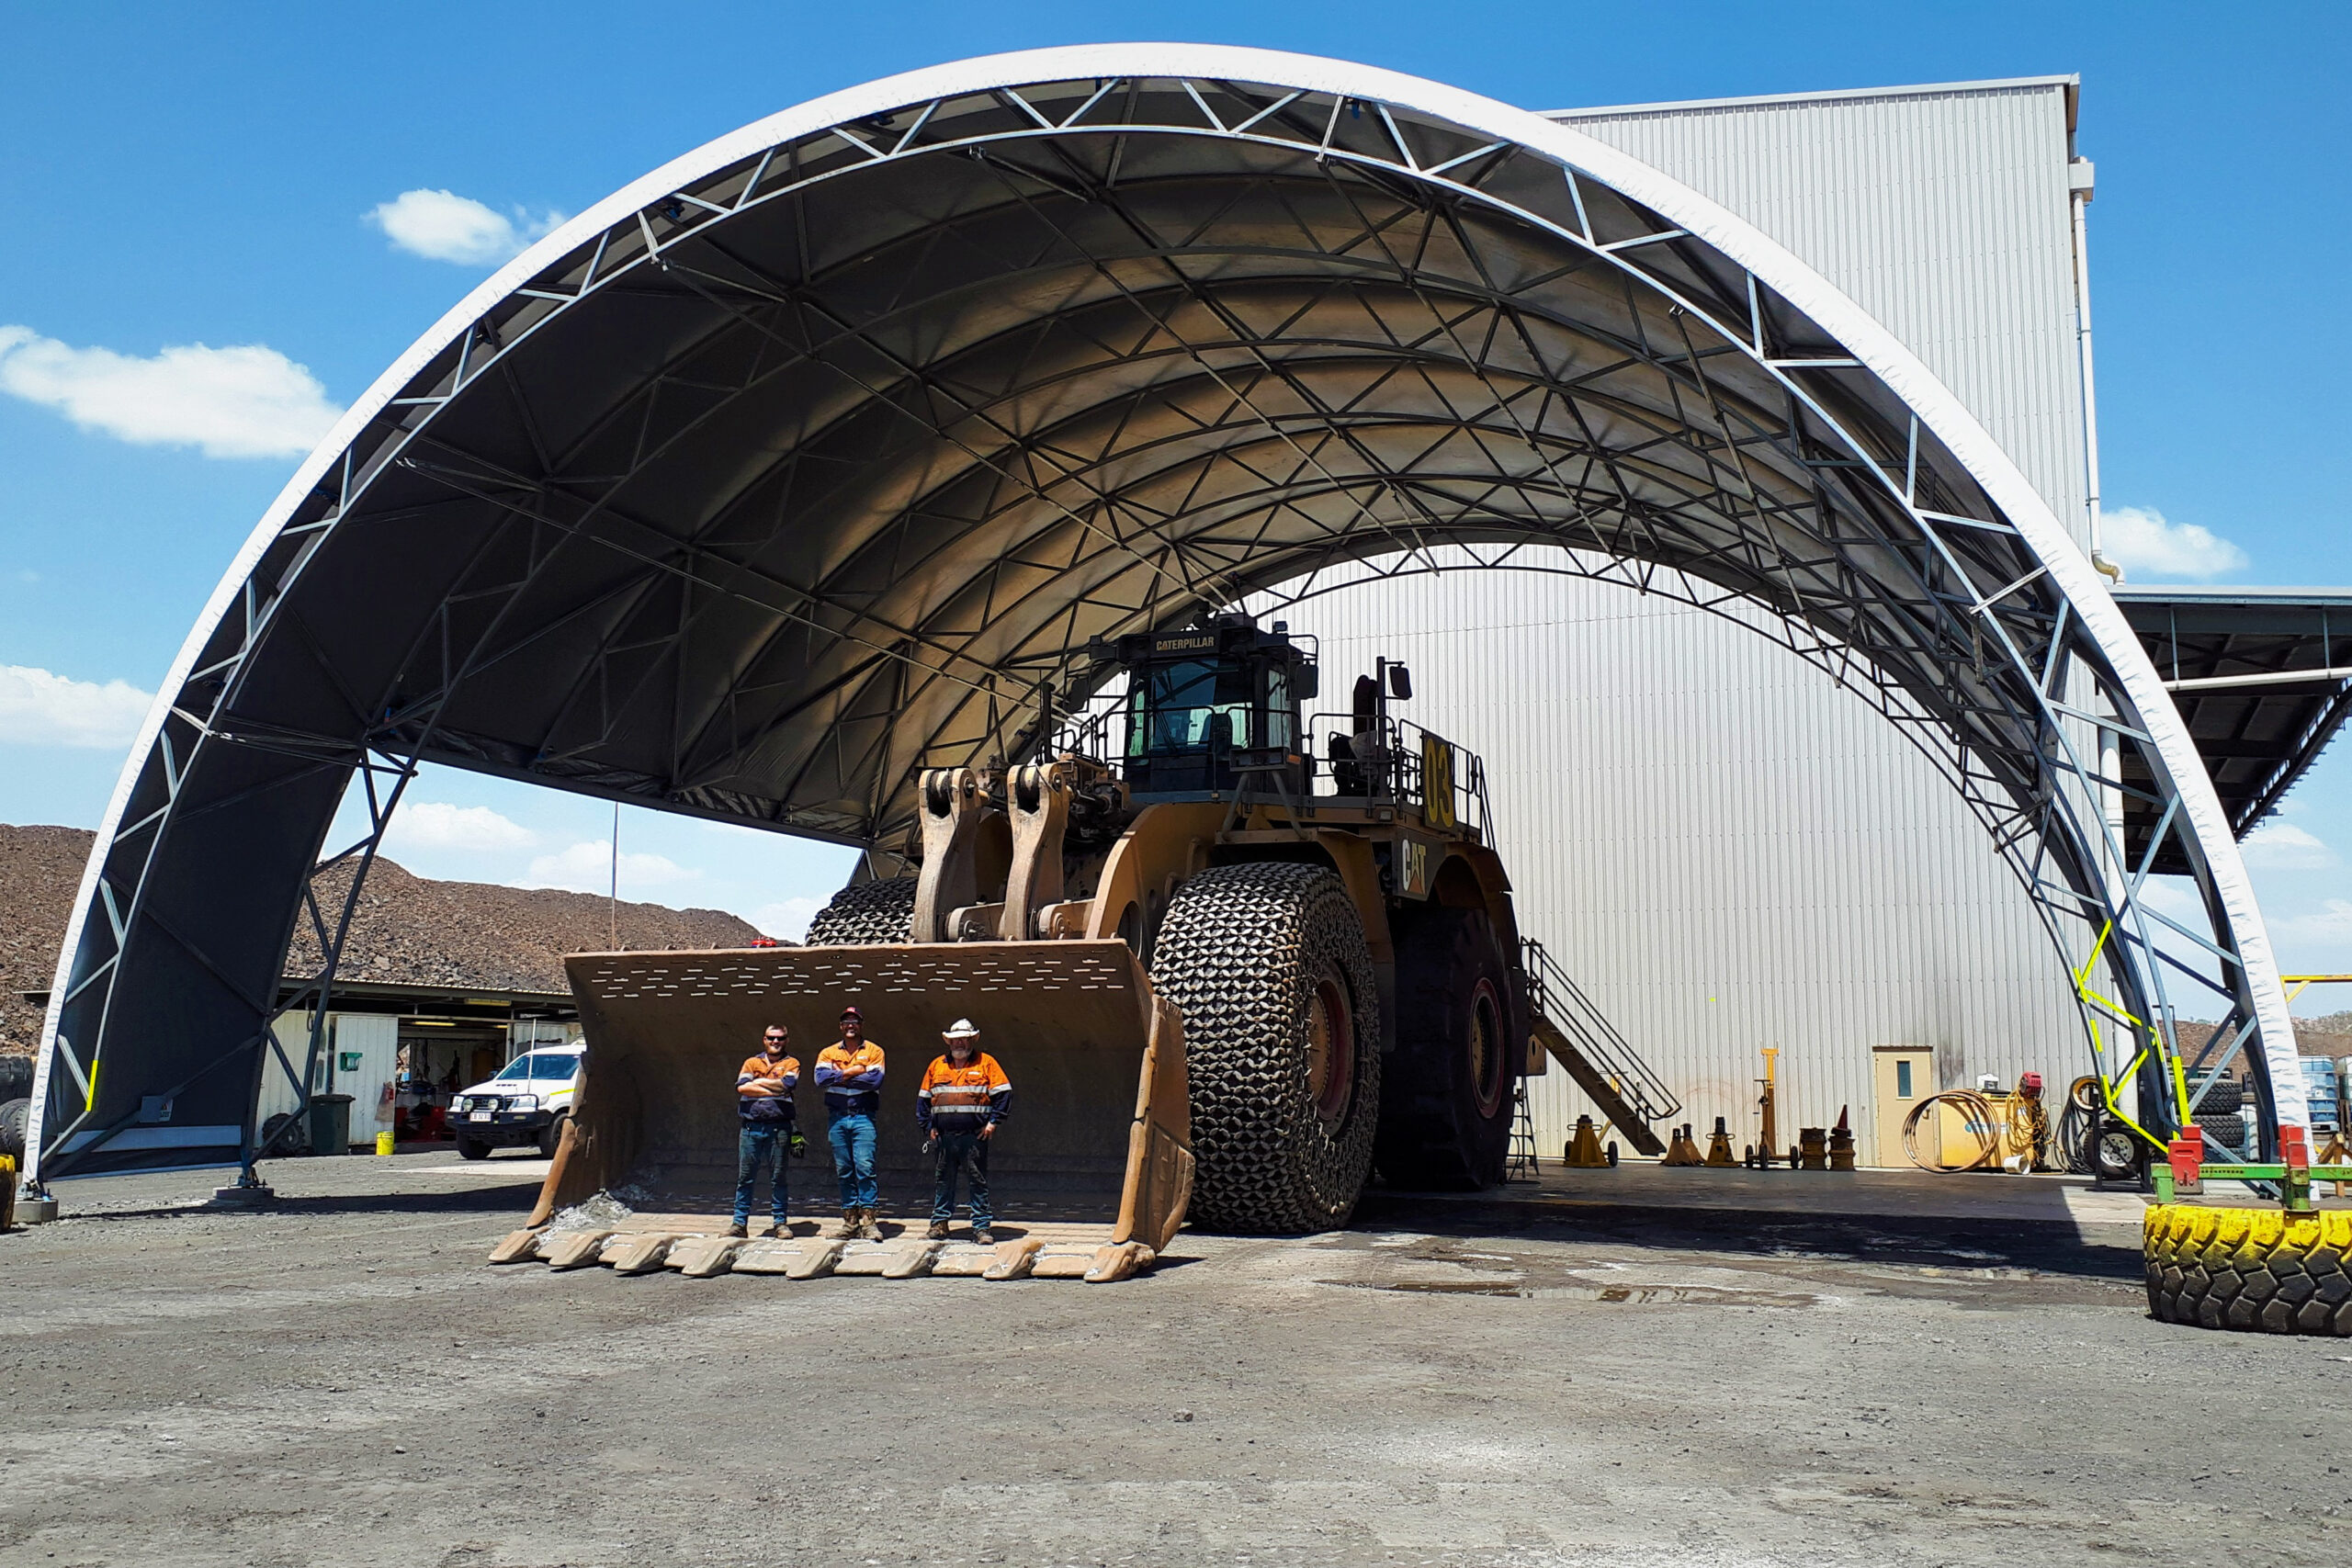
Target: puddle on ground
<point>1630,1295</point>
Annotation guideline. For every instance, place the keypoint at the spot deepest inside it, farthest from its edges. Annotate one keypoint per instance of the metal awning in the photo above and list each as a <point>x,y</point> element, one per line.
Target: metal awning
<point>2262,678</point>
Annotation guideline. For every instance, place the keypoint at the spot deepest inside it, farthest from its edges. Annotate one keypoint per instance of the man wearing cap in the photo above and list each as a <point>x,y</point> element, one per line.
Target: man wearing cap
<point>964,1095</point>
<point>849,1072</point>
<point>763,1086</point>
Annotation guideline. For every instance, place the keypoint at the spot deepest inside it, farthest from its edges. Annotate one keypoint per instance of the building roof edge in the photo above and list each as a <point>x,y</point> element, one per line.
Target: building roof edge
<point>2072,81</point>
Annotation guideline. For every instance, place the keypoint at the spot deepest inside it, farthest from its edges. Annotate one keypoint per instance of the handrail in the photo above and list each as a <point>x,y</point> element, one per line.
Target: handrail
<point>1559,998</point>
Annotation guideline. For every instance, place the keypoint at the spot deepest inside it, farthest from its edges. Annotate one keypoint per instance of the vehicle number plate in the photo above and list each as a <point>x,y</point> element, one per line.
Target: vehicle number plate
<point>478,1116</point>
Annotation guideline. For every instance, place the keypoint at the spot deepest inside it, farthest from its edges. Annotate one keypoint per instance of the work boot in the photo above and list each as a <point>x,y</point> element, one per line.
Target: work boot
<point>984,1238</point>
<point>849,1225</point>
<point>938,1231</point>
<point>781,1230</point>
<point>867,1229</point>
<point>737,1229</point>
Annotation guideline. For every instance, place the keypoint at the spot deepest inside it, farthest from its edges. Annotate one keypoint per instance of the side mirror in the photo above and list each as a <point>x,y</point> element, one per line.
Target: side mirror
<point>1400,682</point>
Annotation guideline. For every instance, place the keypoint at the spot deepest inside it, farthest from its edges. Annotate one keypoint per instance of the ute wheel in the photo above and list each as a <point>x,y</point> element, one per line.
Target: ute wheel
<point>551,1135</point>
<point>14,1117</point>
<point>1446,1107</point>
<point>2256,1270</point>
<point>472,1148</point>
<point>1282,1043</point>
<point>867,912</point>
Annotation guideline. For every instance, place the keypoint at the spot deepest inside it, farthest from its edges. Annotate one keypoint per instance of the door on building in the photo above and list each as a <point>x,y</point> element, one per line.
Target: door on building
<point>1901,1077</point>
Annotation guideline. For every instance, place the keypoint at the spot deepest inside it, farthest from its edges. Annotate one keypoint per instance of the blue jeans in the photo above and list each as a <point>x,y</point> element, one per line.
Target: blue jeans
<point>761,1146</point>
<point>961,1151</point>
<point>852,1136</point>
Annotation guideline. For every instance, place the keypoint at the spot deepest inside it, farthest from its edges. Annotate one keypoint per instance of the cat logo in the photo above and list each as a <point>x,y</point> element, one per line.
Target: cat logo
<point>1413,867</point>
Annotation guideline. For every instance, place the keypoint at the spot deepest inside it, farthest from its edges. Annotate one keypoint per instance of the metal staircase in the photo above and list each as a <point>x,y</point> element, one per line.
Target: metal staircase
<point>1611,1072</point>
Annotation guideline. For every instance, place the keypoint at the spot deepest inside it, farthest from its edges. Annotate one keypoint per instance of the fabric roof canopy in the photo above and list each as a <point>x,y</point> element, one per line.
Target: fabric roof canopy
<point>818,456</point>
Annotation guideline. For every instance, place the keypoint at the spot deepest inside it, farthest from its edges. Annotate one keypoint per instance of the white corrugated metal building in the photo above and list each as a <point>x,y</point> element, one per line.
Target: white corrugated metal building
<point>1725,849</point>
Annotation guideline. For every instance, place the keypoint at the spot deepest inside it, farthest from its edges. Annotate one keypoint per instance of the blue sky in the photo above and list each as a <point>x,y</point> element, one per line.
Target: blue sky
<point>234,178</point>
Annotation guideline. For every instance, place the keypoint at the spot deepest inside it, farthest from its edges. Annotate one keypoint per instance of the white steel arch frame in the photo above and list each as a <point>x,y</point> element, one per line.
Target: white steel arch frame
<point>819,456</point>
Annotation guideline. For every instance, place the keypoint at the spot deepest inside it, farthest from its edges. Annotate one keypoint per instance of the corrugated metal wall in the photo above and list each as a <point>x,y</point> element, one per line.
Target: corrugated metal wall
<point>1726,849</point>
<point>1943,212</point>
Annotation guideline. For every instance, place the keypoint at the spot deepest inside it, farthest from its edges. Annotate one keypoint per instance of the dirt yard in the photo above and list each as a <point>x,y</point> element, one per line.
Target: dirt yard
<point>1586,1375</point>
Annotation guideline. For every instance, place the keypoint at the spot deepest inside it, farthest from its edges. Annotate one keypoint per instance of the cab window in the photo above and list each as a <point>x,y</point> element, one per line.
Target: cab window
<point>1191,705</point>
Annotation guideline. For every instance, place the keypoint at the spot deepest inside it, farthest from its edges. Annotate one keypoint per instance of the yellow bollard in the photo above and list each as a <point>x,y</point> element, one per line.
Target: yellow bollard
<point>383,1143</point>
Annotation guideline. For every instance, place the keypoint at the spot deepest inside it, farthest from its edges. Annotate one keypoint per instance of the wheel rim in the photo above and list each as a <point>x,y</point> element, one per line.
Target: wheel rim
<point>1485,1049</point>
<point>1330,1050</point>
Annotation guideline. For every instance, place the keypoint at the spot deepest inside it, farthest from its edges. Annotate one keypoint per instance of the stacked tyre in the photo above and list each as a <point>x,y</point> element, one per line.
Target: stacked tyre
<point>2256,1270</point>
<point>867,912</point>
<point>16,1104</point>
<point>2218,1115</point>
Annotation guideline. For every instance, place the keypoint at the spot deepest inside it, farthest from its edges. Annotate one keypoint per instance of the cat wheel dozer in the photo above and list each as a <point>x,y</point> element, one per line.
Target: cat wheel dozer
<point>1218,966</point>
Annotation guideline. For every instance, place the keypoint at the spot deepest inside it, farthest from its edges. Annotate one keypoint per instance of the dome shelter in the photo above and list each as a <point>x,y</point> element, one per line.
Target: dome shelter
<point>818,458</point>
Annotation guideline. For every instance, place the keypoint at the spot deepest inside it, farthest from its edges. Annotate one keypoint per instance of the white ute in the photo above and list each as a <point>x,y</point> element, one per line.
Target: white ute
<point>527,1103</point>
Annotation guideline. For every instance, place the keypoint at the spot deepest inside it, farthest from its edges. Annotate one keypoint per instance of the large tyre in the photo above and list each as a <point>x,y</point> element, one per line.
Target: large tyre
<point>1282,1043</point>
<point>14,1117</point>
<point>2256,1270</point>
<point>1445,1109</point>
<point>15,1077</point>
<point>294,1144</point>
<point>867,912</point>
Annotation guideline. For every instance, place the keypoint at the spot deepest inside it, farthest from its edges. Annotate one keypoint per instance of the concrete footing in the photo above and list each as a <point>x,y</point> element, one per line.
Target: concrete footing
<point>260,1195</point>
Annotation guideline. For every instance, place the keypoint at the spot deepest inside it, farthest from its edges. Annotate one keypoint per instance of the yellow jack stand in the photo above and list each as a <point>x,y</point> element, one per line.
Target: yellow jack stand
<point>1681,1149</point>
<point>1719,1147</point>
<point>1584,1152</point>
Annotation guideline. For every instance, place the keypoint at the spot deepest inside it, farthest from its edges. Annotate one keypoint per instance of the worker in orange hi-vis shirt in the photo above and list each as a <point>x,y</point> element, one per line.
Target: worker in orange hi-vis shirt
<point>963,1100</point>
<point>851,1075</point>
<point>765,1108</point>
<point>763,1086</point>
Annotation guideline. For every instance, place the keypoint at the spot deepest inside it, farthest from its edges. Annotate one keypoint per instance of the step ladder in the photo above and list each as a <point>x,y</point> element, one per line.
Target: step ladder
<point>1521,1166</point>
<point>1609,1071</point>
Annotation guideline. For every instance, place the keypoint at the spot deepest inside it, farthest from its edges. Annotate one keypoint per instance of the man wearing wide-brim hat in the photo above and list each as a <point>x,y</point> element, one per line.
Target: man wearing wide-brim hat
<point>963,1100</point>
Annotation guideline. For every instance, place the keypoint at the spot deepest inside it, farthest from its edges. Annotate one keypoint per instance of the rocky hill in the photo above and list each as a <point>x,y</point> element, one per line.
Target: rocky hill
<point>408,930</point>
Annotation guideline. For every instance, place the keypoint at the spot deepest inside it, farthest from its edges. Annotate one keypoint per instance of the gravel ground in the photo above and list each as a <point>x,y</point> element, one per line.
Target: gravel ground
<point>344,1381</point>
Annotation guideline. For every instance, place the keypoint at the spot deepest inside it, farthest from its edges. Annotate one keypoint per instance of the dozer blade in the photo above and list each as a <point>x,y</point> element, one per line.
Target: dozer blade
<point>1100,1129</point>
<point>1598,1088</point>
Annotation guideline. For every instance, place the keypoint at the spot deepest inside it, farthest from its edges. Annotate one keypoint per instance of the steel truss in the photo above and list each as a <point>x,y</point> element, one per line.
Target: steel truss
<point>818,458</point>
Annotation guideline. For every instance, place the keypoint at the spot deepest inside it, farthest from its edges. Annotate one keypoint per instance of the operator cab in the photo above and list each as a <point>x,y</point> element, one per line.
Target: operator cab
<point>1204,702</point>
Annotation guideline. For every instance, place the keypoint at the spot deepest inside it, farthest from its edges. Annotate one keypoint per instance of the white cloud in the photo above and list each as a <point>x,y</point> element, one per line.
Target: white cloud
<point>431,825</point>
<point>248,401</point>
<point>789,920</point>
<point>2282,846</point>
<point>2152,548</point>
<point>586,867</point>
<point>38,708</point>
<point>2330,923</point>
<point>441,225</point>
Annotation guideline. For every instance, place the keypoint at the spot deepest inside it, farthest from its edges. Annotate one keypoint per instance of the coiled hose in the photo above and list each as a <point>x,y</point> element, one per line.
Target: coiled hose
<point>2074,1144</point>
<point>2028,1131</point>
